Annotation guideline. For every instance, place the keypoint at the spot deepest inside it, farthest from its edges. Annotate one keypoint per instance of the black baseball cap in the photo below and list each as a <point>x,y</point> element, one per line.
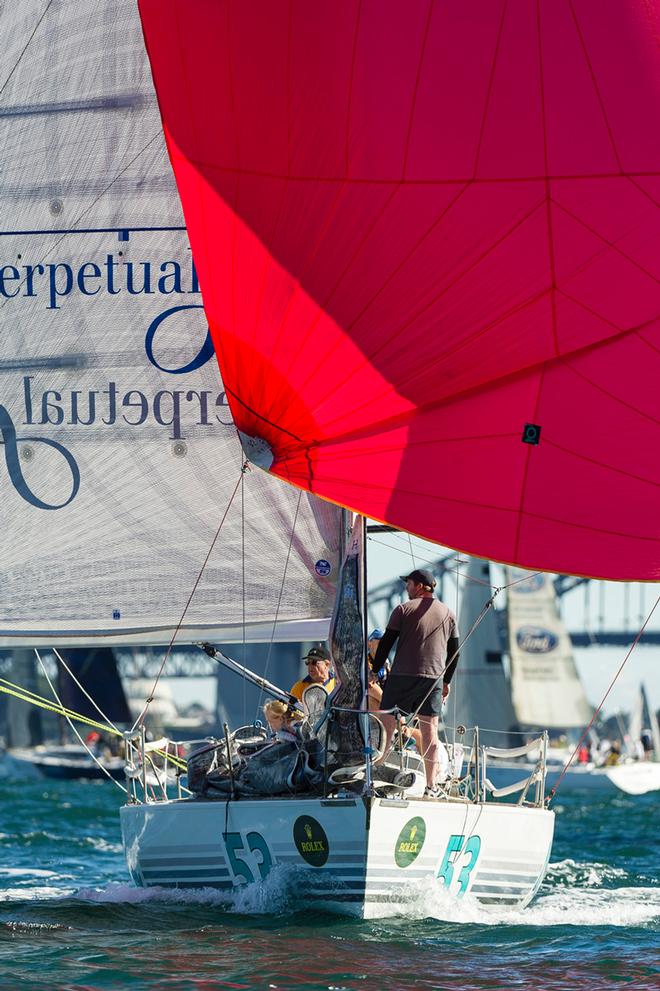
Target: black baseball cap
<point>420,576</point>
<point>317,654</point>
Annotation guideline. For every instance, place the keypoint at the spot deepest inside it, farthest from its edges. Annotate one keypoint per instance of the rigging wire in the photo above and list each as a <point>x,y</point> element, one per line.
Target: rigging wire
<point>568,763</point>
<point>25,48</point>
<point>279,599</point>
<point>243,586</point>
<point>412,553</point>
<point>149,700</point>
<point>84,690</point>
<point>25,695</point>
<point>73,728</point>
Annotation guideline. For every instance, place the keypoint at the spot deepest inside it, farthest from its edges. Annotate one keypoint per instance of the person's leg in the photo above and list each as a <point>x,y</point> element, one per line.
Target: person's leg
<point>429,730</point>
<point>416,734</point>
<point>389,724</point>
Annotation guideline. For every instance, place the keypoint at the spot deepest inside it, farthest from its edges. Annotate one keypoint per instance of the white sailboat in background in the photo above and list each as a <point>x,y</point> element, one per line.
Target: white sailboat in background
<point>544,688</point>
<point>643,730</point>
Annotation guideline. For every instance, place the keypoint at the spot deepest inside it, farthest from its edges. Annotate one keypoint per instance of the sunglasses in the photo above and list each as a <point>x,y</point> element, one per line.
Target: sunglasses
<point>315,660</point>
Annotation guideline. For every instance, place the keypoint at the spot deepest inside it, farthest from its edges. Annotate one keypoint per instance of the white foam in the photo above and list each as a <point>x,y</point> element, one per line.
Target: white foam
<point>590,875</point>
<point>27,872</point>
<point>575,906</point>
<point>127,894</point>
<point>33,894</point>
<point>579,899</point>
<point>271,896</point>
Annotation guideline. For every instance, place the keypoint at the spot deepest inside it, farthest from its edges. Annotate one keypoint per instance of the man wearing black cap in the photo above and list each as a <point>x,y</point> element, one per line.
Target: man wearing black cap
<point>318,672</point>
<point>424,663</point>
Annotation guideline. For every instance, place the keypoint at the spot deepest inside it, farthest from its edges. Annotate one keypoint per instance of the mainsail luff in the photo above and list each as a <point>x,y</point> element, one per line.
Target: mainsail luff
<point>119,453</point>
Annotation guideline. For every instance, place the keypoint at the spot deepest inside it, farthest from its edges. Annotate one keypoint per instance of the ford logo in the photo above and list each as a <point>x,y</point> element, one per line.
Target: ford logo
<point>535,640</point>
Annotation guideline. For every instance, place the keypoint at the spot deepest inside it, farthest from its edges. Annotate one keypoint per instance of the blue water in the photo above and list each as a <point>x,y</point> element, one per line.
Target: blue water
<point>70,918</point>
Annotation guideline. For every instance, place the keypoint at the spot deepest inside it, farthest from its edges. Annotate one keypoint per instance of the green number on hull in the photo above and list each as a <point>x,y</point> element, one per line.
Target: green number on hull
<point>256,844</point>
<point>472,847</point>
<point>446,869</point>
<point>455,846</point>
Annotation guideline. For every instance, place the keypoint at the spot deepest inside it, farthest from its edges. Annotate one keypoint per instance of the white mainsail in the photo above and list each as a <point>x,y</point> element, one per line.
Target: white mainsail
<point>119,456</point>
<point>545,684</point>
<point>481,693</point>
<point>643,718</point>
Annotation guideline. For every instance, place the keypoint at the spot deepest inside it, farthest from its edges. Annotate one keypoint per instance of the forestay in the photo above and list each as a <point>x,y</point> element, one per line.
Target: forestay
<point>119,455</point>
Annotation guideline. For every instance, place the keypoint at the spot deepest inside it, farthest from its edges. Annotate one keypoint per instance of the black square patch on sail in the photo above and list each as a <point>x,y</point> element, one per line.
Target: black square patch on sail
<point>531,433</point>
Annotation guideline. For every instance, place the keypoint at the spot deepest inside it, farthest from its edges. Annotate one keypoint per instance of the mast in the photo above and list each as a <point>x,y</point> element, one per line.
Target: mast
<point>366,727</point>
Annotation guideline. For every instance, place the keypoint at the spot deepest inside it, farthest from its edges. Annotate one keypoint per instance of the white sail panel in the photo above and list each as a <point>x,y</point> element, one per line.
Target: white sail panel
<point>481,693</point>
<point>119,456</point>
<point>546,688</point>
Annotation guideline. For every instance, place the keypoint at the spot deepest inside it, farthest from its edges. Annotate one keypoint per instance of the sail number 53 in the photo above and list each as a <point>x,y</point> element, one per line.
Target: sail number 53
<point>236,846</point>
<point>459,856</point>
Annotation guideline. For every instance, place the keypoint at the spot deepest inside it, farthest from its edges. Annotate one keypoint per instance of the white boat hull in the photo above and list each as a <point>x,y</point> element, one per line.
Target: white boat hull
<point>637,778</point>
<point>354,856</point>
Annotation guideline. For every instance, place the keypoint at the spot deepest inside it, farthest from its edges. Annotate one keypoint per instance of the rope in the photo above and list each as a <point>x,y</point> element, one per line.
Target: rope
<point>141,717</point>
<point>24,695</point>
<point>553,792</point>
<point>73,728</point>
<point>84,690</point>
<point>461,644</point>
<point>279,600</point>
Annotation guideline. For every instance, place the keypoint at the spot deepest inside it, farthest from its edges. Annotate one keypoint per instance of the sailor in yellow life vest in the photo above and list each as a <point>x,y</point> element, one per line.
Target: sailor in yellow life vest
<point>318,672</point>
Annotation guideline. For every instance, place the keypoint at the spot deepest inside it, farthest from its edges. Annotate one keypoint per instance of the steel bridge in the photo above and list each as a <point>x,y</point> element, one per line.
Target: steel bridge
<point>590,619</point>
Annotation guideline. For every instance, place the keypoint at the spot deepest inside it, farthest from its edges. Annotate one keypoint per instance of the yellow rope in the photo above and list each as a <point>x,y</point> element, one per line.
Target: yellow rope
<point>25,695</point>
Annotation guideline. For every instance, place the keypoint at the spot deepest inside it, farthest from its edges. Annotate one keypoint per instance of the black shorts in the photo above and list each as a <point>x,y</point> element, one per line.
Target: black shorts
<point>410,693</point>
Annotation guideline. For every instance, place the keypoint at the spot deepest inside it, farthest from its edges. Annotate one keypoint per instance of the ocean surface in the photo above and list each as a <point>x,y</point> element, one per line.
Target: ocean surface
<point>71,918</point>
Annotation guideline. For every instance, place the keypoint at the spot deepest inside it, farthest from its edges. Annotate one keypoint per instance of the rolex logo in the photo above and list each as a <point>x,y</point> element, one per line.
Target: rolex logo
<point>311,841</point>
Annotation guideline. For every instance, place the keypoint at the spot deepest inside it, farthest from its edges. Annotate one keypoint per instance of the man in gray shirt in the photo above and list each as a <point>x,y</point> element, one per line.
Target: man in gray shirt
<point>424,663</point>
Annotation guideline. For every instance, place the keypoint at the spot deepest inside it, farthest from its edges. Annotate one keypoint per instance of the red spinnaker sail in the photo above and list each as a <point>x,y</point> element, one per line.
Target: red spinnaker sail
<point>421,228</point>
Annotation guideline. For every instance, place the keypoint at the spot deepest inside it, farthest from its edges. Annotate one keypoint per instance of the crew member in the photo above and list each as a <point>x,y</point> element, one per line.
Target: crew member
<point>318,664</point>
<point>424,664</point>
<point>283,720</point>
